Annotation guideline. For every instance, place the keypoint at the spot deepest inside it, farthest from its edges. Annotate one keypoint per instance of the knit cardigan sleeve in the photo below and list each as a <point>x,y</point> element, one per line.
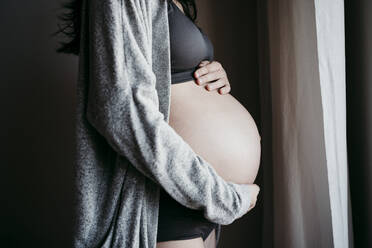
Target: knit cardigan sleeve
<point>123,107</point>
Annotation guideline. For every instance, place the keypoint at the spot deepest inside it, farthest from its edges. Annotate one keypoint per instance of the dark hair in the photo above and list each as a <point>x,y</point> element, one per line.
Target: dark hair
<point>72,18</point>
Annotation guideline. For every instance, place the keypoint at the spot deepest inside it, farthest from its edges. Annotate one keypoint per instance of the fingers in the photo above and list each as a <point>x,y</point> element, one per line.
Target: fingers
<point>225,89</point>
<point>217,84</point>
<point>203,63</point>
<point>254,195</point>
<point>211,76</point>
<point>207,68</point>
<point>253,204</point>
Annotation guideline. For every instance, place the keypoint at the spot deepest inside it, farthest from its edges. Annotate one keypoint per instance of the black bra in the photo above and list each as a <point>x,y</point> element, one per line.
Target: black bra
<point>188,45</point>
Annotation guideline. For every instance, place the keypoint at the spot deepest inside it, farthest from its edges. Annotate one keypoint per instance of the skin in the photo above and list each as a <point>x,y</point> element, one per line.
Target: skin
<point>212,77</point>
<point>210,242</point>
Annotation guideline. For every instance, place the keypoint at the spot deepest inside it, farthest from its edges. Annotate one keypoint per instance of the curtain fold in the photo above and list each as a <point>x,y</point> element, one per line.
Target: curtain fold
<point>304,149</point>
<point>329,17</point>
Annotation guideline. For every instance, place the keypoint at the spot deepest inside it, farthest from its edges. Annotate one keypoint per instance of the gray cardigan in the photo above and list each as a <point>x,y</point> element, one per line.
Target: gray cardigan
<point>125,148</point>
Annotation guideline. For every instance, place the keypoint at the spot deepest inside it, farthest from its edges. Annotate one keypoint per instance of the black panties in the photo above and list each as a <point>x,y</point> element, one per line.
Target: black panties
<point>177,222</point>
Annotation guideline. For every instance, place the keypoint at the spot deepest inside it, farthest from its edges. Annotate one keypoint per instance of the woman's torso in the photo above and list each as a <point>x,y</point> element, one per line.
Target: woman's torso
<point>217,127</point>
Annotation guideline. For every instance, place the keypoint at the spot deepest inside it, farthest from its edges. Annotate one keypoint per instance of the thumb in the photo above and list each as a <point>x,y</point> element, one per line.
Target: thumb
<point>204,62</point>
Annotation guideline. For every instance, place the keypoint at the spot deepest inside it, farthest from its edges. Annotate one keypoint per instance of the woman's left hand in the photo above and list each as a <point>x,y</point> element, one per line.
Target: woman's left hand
<point>212,76</point>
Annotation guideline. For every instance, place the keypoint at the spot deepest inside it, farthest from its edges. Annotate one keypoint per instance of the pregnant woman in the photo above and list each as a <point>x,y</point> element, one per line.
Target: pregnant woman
<point>131,79</point>
<point>212,121</point>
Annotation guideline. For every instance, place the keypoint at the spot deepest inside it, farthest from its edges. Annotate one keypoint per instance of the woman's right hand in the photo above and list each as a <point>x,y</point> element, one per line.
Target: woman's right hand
<point>254,190</point>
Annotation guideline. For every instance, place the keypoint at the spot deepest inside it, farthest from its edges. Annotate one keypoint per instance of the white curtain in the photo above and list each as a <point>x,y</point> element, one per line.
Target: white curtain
<point>302,69</point>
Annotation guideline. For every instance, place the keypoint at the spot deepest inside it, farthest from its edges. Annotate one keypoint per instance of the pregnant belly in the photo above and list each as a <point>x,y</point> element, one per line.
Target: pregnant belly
<point>218,128</point>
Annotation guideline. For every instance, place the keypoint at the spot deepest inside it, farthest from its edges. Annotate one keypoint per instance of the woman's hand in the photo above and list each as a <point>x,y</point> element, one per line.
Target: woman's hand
<point>254,190</point>
<point>212,76</point>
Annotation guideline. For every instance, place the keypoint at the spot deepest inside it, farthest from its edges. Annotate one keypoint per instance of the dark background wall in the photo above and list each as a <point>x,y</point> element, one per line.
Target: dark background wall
<point>37,100</point>
<point>358,21</point>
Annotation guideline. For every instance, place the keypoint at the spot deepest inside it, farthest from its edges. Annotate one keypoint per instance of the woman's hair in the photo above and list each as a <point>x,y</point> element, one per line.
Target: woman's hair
<point>70,23</point>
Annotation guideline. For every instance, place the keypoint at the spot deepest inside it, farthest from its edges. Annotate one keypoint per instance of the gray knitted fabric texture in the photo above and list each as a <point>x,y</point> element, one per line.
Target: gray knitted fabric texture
<point>125,148</point>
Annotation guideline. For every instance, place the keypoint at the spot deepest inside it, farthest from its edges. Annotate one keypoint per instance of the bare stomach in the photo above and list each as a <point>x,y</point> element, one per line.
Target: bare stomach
<point>218,128</point>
